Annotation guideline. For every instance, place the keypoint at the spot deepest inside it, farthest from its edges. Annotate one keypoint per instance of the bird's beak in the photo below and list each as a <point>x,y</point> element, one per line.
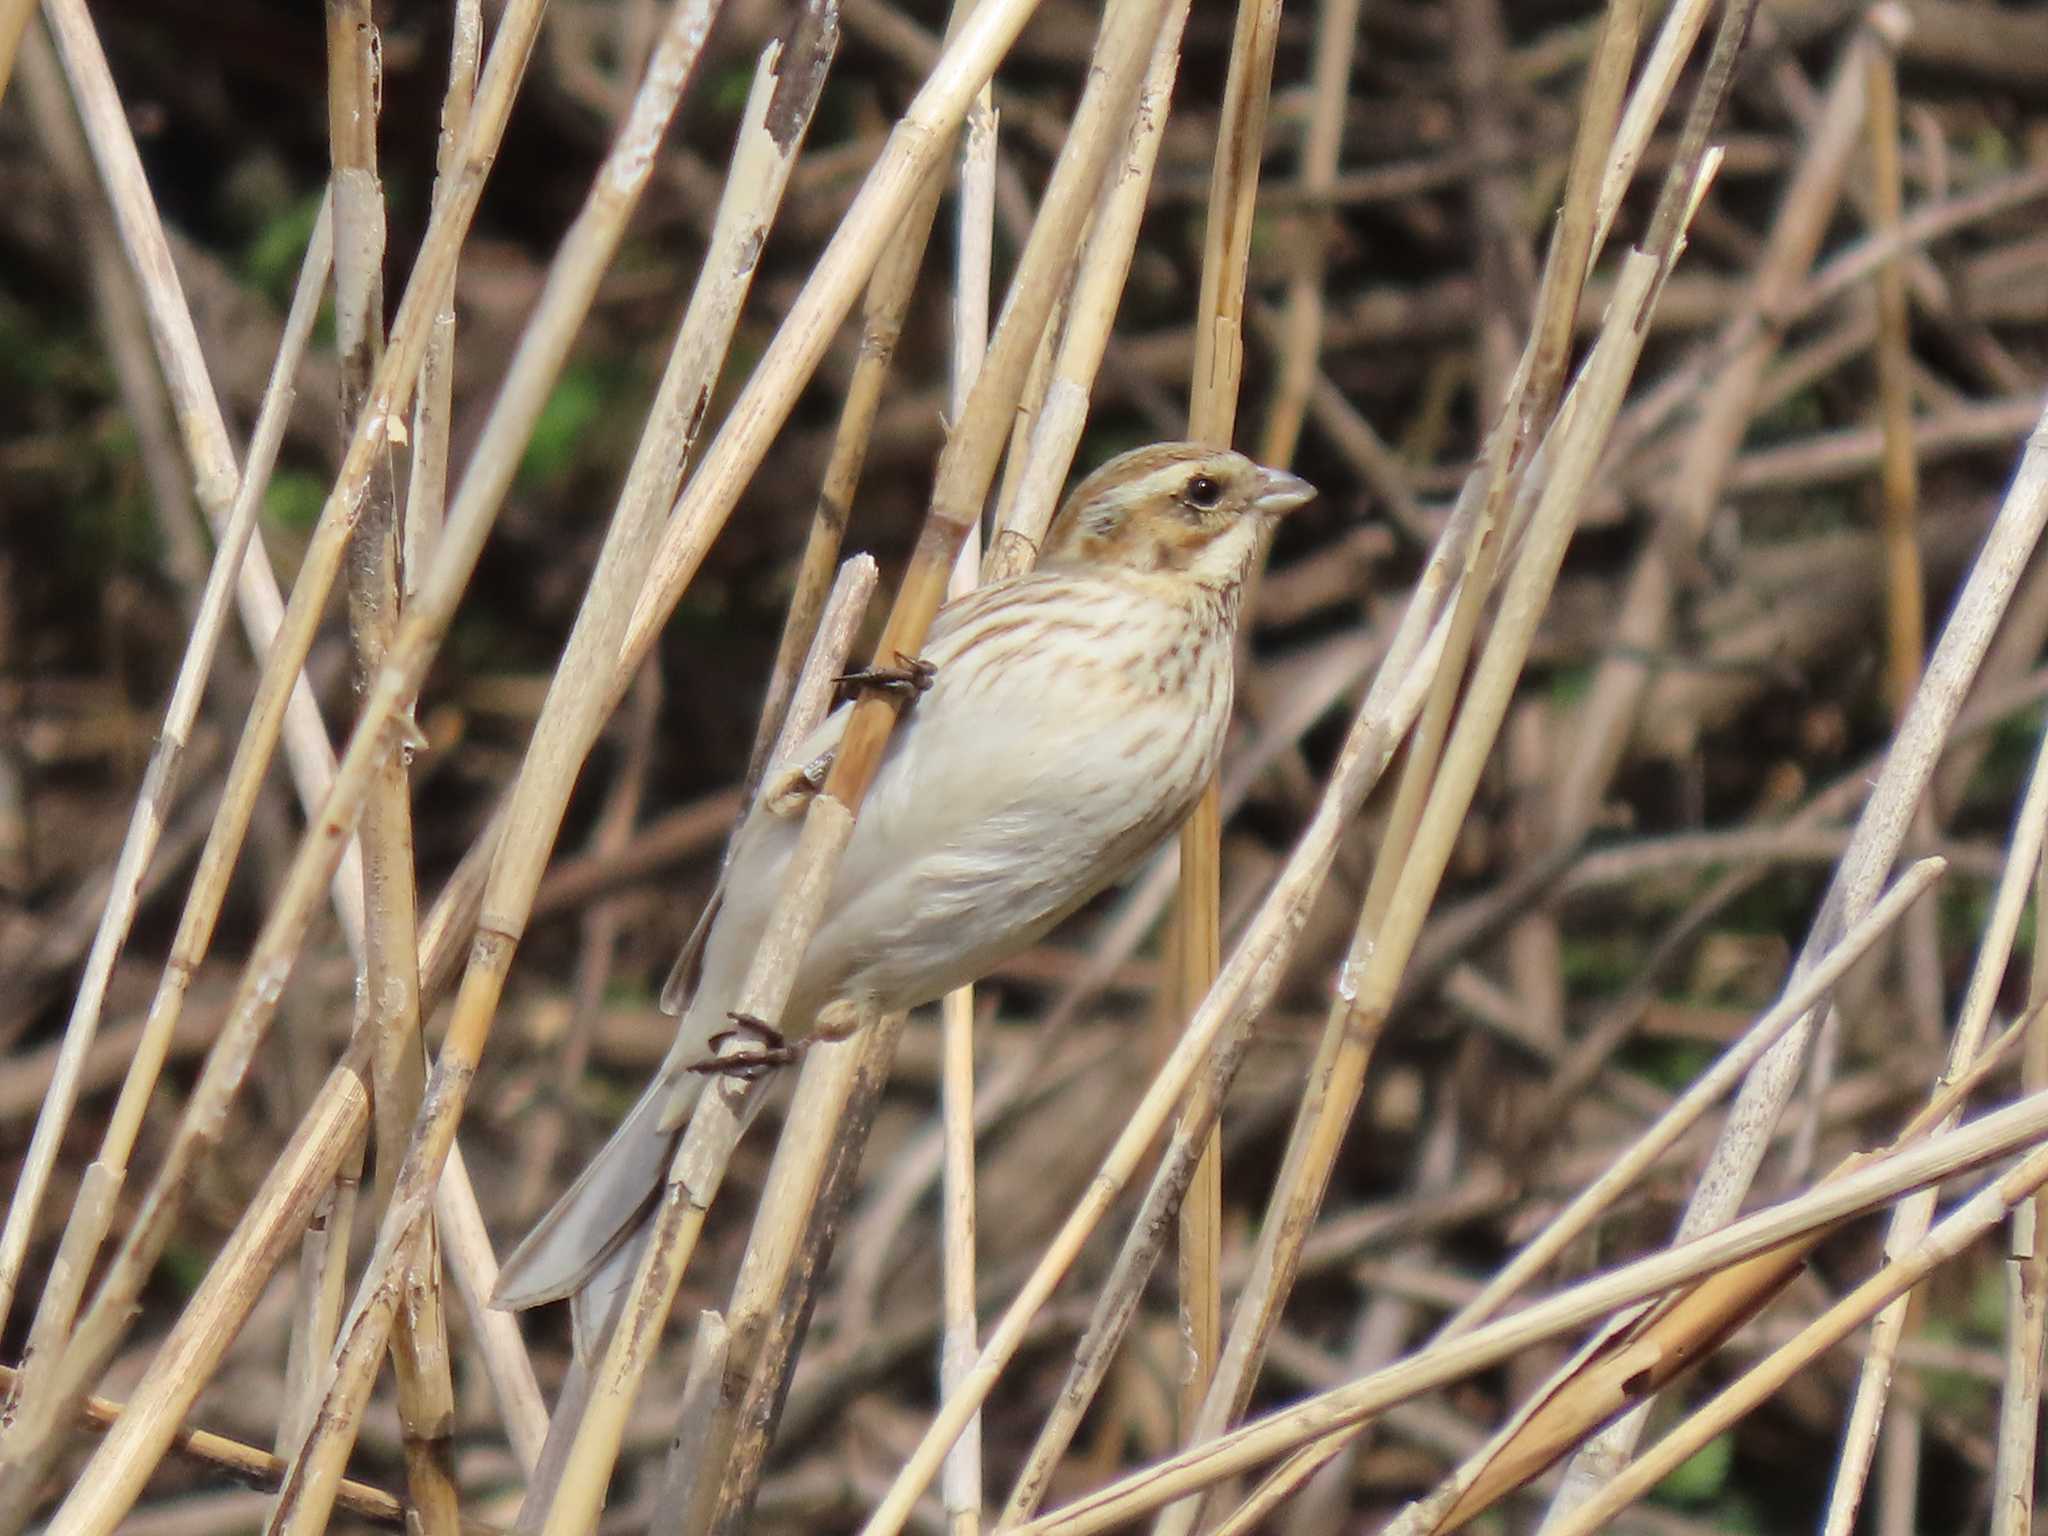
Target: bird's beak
<point>1281,492</point>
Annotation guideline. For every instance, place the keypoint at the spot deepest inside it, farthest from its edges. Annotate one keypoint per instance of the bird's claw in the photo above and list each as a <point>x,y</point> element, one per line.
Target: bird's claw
<point>910,676</point>
<point>748,1066</point>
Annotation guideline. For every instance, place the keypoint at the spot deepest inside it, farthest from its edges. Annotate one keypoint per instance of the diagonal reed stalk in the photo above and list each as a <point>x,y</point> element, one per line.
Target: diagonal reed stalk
<point>92,1212</point>
<point>1989,1138</point>
<point>30,1439</point>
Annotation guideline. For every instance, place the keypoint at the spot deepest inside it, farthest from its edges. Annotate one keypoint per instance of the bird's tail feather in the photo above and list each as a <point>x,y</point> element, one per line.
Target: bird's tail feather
<point>578,1240</point>
<point>610,1200</point>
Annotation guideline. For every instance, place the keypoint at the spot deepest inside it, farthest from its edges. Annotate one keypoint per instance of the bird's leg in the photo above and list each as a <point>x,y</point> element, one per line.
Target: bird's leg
<point>773,1051</point>
<point>910,676</point>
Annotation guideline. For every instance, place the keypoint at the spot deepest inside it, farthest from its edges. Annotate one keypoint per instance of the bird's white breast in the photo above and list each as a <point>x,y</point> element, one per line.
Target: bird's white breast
<point>1071,723</point>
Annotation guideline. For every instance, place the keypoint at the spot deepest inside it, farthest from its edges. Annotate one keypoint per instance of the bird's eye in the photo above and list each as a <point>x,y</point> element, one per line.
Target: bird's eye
<point>1203,491</point>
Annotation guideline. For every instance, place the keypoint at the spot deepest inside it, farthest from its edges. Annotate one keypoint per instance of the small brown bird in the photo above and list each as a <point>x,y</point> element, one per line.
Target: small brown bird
<point>1068,720</point>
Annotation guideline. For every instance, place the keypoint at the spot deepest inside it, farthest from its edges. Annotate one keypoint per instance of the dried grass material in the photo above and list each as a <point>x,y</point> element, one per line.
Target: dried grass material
<point>1649,645</point>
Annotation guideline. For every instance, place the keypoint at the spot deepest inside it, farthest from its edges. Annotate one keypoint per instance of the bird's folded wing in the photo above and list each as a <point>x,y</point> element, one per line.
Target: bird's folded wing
<point>682,976</point>
<point>786,790</point>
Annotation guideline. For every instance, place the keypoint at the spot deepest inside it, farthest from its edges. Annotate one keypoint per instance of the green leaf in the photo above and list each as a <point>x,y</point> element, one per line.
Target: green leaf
<point>1702,1476</point>
<point>572,410</point>
<point>293,499</point>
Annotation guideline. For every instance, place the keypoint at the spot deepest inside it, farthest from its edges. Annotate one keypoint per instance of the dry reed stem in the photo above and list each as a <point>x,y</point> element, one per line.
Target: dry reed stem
<point>160,781</point>
<point>196,408</point>
<point>1906,620</point>
<point>1197,943</point>
<point>245,1463</point>
<point>771,391</point>
<point>220,1306</point>
<point>32,1438</point>
<point>527,382</point>
<point>727,1424</point>
<point>881,327</point>
<point>962,1481</point>
<point>301,1175</point>
<point>1601,728</point>
<point>426,495</point>
<point>872,224</point>
<point>1909,1223</point>
<point>1300,328</point>
<point>1700,1095</point>
<point>550,769</point>
<point>2019,1406</point>
<point>1906,628</point>
<point>474,1268</point>
<point>1387,933</point>
<point>232,525</point>
<point>1988,1138</point>
<point>784,1262</point>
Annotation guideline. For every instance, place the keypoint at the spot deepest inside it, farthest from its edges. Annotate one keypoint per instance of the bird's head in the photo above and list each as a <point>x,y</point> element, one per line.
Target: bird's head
<point>1172,507</point>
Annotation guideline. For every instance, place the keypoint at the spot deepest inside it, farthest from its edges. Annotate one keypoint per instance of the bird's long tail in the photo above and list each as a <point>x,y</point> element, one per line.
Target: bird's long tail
<point>587,1245</point>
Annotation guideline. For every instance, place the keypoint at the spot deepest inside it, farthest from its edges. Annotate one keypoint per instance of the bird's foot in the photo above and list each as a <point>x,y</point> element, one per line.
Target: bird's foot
<point>749,1066</point>
<point>910,676</point>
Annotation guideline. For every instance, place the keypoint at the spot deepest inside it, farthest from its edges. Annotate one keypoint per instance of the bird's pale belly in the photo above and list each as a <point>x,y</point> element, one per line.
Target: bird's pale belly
<point>951,872</point>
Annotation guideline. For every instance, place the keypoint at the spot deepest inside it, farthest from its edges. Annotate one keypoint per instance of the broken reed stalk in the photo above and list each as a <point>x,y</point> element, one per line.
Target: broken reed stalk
<point>1196,948</point>
<point>426,494</point>
<point>1624,1171</point>
<point>389,977</point>
<point>1105,263</point>
<point>1989,1138</point>
<point>92,1210</point>
<point>1381,951</point>
<point>966,467</point>
<point>1966,1225</point>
